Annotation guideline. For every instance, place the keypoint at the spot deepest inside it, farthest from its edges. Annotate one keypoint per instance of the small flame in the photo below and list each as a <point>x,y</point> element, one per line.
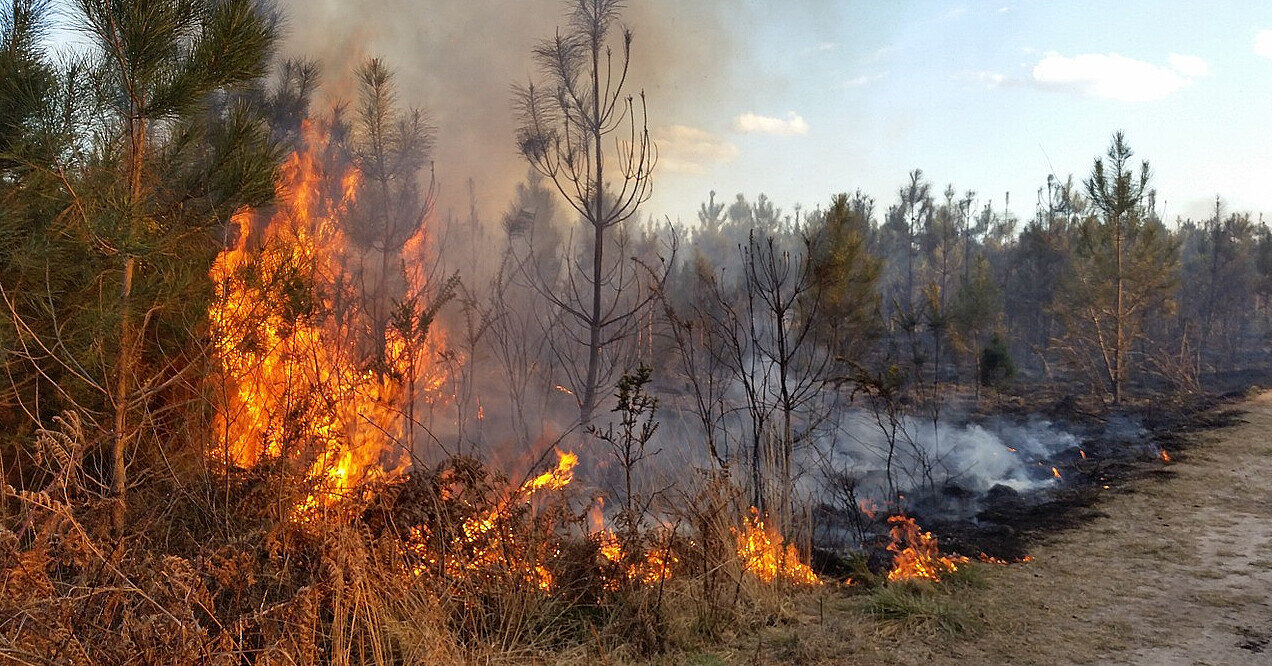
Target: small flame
<point>1055,472</point>
<point>564,389</point>
<point>483,541</point>
<point>990,559</point>
<point>916,556</point>
<point>1164,456</point>
<point>650,568</point>
<point>557,478</point>
<point>869,508</point>
<point>767,557</point>
<point>1083,454</point>
<point>1012,449</point>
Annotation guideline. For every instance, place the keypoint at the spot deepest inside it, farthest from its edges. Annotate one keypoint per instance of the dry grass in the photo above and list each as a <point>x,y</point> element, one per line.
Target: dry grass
<point>223,572</point>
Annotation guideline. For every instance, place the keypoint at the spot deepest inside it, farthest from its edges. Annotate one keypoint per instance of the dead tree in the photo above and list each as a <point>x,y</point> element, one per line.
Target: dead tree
<point>565,124</point>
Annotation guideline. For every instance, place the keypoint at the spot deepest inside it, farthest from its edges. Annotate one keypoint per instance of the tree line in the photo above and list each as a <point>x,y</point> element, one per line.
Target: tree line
<point>122,167</point>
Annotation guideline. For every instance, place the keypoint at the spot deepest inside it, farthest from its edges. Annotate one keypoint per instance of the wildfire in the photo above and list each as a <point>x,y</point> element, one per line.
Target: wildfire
<point>289,336</point>
<point>767,557</point>
<point>915,553</point>
<point>651,568</point>
<point>482,546</point>
<point>559,477</point>
<point>868,507</point>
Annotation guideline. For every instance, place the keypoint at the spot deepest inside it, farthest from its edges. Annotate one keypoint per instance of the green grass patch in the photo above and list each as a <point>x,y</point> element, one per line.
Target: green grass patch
<point>921,607</point>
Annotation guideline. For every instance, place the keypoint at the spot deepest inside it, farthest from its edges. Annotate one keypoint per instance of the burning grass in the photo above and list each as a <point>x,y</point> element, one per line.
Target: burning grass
<point>441,565</point>
<point>301,534</point>
<point>916,555</point>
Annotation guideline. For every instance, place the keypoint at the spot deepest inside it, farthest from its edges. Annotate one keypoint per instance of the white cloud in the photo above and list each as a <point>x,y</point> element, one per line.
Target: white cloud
<point>1263,43</point>
<point>858,81</point>
<point>1117,77</point>
<point>683,149</point>
<point>750,123</point>
<point>1191,66</point>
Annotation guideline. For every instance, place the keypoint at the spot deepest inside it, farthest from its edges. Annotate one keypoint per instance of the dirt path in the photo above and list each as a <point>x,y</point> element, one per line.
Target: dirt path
<point>1177,571</point>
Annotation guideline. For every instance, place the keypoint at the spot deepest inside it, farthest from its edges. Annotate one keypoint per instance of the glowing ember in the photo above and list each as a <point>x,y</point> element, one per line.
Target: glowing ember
<point>1164,456</point>
<point>764,554</point>
<point>915,553</point>
<point>286,333</point>
<point>989,559</point>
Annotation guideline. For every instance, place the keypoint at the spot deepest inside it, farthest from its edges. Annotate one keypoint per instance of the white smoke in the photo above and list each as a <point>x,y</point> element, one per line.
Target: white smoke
<point>925,456</point>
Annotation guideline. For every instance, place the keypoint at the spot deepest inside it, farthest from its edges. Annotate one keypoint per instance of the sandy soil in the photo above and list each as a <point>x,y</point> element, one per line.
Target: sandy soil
<point>1178,570</point>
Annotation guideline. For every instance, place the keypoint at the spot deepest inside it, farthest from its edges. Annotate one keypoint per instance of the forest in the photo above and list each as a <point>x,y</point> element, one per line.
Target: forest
<point>265,401</point>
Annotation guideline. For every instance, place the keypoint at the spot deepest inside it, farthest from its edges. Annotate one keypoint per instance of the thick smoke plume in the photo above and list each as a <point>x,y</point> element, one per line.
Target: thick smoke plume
<point>459,60</point>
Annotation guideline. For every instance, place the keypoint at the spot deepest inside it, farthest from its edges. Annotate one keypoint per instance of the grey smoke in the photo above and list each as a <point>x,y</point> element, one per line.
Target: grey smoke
<point>458,60</point>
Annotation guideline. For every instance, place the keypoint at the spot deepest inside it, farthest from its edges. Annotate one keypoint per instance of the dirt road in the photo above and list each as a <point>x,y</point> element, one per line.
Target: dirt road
<point>1177,571</point>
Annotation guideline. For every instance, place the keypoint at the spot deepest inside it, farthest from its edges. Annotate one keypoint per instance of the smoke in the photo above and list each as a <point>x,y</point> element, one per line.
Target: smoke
<point>926,457</point>
<point>459,60</point>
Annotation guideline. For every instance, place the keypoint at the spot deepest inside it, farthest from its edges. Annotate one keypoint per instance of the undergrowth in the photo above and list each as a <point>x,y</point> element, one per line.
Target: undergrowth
<point>447,565</point>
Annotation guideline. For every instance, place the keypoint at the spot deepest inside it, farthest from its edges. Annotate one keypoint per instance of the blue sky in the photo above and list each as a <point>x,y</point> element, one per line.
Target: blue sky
<point>984,95</point>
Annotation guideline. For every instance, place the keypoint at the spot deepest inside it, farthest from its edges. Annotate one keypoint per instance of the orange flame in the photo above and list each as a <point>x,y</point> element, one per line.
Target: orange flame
<point>1165,456</point>
<point>482,546</point>
<point>868,507</point>
<point>1055,472</point>
<point>916,556</point>
<point>767,557</point>
<point>650,568</point>
<point>295,383</point>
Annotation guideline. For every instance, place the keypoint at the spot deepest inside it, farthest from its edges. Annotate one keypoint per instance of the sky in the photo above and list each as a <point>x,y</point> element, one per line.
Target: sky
<point>985,95</point>
<point>802,99</point>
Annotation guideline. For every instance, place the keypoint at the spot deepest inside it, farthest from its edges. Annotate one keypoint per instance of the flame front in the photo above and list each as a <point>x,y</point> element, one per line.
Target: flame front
<point>764,553</point>
<point>289,334</point>
<point>915,553</point>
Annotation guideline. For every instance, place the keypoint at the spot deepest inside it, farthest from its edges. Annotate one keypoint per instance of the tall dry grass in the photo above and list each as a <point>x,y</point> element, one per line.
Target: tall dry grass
<point>215,570</point>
